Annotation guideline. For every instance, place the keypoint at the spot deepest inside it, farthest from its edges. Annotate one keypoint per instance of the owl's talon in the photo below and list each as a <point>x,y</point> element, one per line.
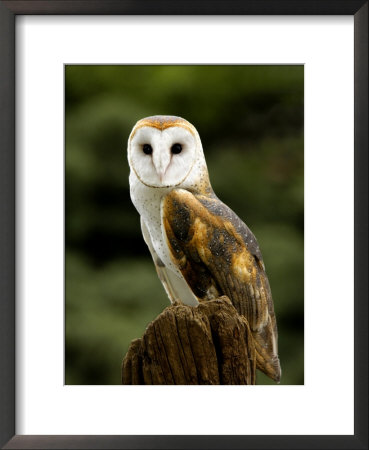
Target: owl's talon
<point>176,302</point>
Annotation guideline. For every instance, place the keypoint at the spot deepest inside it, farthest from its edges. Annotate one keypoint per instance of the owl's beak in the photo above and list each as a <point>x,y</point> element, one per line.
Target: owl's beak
<point>161,162</point>
<point>161,175</point>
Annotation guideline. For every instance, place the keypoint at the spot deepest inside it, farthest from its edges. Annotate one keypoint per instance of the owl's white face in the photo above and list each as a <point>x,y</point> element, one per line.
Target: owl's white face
<point>162,158</point>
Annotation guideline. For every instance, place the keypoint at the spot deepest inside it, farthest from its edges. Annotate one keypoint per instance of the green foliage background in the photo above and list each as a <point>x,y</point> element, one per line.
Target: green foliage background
<point>250,119</point>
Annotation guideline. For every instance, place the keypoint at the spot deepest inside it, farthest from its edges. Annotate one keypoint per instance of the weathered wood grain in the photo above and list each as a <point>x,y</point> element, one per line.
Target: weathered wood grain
<point>210,344</point>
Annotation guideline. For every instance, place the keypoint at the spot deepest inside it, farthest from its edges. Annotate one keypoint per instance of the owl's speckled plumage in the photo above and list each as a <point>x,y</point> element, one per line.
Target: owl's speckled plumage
<point>200,247</point>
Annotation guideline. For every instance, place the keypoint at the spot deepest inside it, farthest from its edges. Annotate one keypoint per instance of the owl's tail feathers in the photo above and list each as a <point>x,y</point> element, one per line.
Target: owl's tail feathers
<point>268,364</point>
<point>266,349</point>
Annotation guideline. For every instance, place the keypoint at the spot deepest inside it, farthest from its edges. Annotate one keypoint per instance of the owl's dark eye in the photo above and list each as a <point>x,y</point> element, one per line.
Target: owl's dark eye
<point>147,149</point>
<point>176,148</point>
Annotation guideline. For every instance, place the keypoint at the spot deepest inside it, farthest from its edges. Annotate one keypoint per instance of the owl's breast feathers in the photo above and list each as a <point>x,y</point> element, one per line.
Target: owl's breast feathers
<point>218,255</point>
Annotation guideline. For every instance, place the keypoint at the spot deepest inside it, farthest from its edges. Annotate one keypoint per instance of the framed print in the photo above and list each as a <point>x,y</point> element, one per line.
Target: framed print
<point>55,57</point>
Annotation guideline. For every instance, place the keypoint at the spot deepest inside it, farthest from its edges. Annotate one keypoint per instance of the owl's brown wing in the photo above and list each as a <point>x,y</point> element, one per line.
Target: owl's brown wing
<point>218,255</point>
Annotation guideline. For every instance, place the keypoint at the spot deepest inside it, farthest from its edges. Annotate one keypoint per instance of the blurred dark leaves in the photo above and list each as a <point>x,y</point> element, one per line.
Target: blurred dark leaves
<point>250,119</point>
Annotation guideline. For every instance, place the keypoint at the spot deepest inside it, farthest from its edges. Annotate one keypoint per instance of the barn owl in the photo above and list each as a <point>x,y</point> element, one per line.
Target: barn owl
<point>200,247</point>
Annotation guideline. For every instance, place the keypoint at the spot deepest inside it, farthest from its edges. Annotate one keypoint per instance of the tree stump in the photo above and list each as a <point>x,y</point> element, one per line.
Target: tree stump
<point>209,344</point>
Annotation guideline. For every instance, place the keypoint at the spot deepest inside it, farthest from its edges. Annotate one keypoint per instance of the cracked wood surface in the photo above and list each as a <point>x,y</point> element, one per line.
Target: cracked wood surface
<point>209,344</point>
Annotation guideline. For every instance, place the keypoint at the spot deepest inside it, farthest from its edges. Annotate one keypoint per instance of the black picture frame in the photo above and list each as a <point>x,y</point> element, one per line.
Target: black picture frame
<point>8,12</point>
